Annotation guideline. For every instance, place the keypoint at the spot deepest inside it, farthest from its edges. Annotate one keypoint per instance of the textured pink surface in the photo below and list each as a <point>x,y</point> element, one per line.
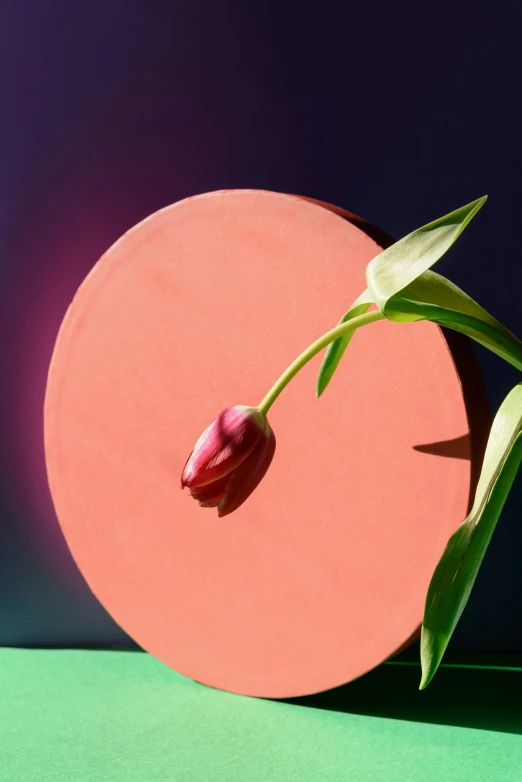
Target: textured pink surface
<point>322,573</point>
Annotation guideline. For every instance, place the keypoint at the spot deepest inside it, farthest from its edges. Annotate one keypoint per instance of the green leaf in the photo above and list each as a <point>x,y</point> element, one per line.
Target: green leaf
<point>393,270</point>
<point>336,349</point>
<point>457,569</point>
<point>400,283</point>
<point>399,265</point>
<point>434,298</point>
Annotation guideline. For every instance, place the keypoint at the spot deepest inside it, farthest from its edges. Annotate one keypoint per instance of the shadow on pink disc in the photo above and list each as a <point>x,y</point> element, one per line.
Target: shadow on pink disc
<point>322,573</point>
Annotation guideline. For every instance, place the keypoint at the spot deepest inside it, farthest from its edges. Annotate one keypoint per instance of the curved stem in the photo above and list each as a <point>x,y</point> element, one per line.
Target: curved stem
<point>312,350</point>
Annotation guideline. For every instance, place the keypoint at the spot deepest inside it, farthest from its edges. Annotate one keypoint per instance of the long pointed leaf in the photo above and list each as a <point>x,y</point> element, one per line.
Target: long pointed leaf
<point>399,265</point>
<point>336,349</point>
<point>457,569</point>
<point>433,297</point>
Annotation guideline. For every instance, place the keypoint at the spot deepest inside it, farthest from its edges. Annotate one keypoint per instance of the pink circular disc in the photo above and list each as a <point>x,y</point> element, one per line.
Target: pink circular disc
<point>322,573</point>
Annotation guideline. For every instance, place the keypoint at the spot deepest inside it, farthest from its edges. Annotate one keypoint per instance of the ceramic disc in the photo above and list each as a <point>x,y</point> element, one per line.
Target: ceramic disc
<point>322,573</point>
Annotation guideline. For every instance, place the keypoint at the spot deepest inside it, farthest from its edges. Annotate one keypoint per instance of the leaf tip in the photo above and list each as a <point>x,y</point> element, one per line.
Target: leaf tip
<point>432,647</point>
<point>324,377</point>
<point>426,678</point>
<point>473,208</point>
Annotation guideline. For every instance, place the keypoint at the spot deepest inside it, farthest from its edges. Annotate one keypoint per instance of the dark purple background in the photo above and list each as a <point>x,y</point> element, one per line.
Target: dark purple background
<point>111,110</point>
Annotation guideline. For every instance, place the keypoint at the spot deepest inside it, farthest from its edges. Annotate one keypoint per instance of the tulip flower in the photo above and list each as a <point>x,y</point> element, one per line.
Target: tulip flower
<point>229,459</point>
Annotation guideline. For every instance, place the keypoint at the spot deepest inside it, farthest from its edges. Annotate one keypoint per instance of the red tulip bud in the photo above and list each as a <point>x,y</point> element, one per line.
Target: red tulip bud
<point>229,459</point>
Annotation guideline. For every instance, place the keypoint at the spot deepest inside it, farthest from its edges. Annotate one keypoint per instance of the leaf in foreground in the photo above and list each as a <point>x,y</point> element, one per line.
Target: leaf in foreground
<point>457,569</point>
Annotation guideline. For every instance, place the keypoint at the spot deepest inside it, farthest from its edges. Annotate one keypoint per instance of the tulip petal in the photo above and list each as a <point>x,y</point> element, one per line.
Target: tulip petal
<point>227,442</point>
<point>249,474</point>
<point>209,495</point>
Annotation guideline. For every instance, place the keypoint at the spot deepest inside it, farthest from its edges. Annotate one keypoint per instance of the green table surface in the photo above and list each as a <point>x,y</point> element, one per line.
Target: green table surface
<point>76,715</point>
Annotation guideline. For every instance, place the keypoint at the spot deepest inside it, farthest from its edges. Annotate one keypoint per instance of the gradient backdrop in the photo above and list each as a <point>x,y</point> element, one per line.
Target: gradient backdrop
<point>112,110</point>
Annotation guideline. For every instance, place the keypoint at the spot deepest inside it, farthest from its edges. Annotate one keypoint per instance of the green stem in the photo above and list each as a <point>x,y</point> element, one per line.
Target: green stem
<point>312,350</point>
